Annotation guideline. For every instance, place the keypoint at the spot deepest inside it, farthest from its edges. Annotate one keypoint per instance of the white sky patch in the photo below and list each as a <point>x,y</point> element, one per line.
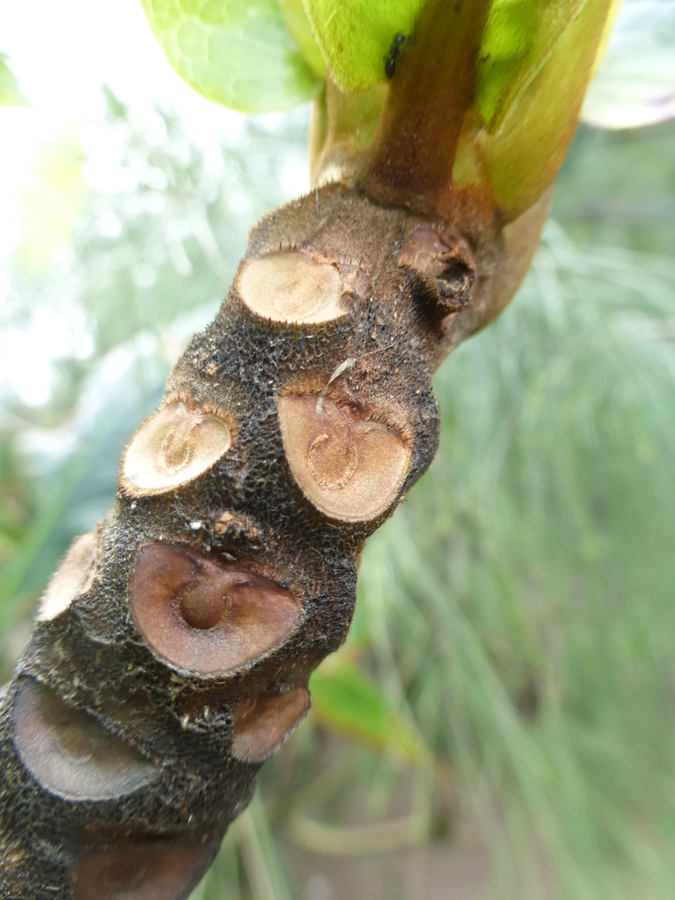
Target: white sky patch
<point>295,177</point>
<point>62,52</point>
<point>27,353</point>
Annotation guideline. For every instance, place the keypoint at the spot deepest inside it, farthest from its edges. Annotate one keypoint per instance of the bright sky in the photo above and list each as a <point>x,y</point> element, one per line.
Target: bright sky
<point>61,53</point>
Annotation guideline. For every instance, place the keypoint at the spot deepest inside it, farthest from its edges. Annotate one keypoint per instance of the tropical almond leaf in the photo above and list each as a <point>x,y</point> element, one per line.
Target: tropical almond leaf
<point>518,39</point>
<point>10,95</point>
<point>236,52</point>
<point>517,163</point>
<point>635,84</point>
<point>356,35</point>
<point>347,701</point>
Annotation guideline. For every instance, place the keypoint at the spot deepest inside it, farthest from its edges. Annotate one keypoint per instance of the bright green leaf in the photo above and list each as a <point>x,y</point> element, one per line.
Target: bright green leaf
<point>346,700</point>
<point>10,95</point>
<point>519,37</point>
<point>518,163</point>
<point>635,84</point>
<point>236,52</point>
<point>356,35</point>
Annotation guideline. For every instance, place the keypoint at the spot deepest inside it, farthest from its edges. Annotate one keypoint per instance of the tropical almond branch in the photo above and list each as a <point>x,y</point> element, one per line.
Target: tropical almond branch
<point>173,647</point>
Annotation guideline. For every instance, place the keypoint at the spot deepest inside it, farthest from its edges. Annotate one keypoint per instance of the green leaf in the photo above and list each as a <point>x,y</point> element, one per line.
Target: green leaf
<point>300,28</point>
<point>635,84</point>
<point>517,163</point>
<point>236,52</point>
<point>347,701</point>
<point>356,35</point>
<point>10,95</point>
<point>519,37</point>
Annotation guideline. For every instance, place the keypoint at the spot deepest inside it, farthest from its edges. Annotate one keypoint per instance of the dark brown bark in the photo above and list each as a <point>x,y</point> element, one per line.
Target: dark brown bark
<point>173,648</point>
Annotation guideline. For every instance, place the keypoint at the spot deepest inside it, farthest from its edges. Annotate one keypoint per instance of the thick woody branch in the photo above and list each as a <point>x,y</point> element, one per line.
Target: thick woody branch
<point>174,645</point>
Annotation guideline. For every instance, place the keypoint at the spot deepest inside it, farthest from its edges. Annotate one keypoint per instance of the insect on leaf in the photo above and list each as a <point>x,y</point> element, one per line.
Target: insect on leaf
<point>356,35</point>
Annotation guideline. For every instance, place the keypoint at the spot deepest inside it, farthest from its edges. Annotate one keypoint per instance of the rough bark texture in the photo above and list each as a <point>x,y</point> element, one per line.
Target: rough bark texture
<point>173,648</point>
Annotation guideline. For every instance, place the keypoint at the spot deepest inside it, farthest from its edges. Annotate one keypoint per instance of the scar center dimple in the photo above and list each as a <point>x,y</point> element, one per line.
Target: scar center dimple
<point>331,473</point>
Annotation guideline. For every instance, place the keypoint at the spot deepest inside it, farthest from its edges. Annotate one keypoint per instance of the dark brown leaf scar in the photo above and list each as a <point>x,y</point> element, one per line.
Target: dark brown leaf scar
<point>142,871</point>
<point>68,752</point>
<point>73,577</point>
<point>172,447</point>
<point>293,286</point>
<point>206,616</point>
<point>262,724</point>
<point>350,469</point>
<point>451,269</point>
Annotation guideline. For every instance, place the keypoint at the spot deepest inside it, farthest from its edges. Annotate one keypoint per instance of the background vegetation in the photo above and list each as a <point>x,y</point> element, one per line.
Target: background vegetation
<point>501,719</point>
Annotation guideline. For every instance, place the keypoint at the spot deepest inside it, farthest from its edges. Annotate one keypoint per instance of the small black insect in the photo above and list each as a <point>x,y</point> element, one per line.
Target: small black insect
<point>394,52</point>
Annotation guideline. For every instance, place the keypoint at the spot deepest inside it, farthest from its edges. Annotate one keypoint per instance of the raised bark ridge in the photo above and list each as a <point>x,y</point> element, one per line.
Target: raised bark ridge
<point>174,645</point>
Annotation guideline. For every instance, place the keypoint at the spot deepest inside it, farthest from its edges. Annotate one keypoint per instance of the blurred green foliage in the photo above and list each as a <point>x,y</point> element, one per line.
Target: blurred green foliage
<point>515,616</point>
